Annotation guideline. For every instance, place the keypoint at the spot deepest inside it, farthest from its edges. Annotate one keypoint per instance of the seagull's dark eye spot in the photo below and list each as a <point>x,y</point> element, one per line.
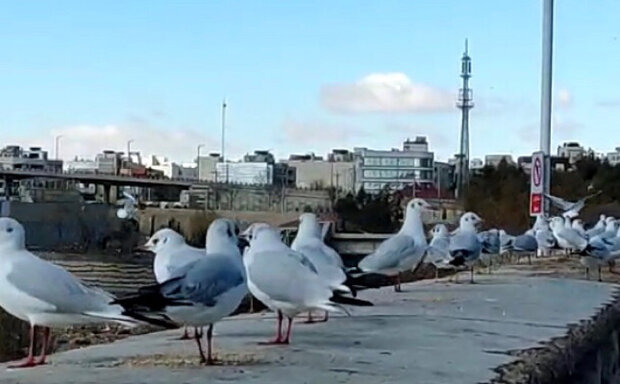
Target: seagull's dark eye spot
<point>165,240</point>
<point>9,229</point>
<point>155,241</point>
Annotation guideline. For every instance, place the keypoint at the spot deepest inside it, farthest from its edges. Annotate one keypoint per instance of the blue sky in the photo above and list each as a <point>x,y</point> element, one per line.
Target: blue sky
<point>301,76</point>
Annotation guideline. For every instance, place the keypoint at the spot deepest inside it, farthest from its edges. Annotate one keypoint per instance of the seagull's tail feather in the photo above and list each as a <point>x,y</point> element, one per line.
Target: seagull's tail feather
<point>350,301</point>
<point>130,319</point>
<point>370,280</point>
<point>343,290</point>
<point>458,258</point>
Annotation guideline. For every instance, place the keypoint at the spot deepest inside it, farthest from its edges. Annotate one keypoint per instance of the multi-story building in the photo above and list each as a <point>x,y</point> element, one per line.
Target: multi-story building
<point>558,163</point>
<point>572,151</point>
<point>313,172</point>
<point>14,157</point>
<point>83,166</point>
<point>614,157</point>
<point>475,164</point>
<point>443,177</point>
<point>109,162</point>
<point>376,169</point>
<point>207,166</point>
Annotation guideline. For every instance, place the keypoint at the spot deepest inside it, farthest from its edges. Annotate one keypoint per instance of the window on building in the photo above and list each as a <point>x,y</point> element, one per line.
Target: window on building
<point>389,161</point>
<point>372,161</point>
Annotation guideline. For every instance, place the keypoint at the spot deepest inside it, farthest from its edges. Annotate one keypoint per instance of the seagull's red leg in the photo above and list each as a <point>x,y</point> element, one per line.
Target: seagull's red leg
<point>287,339</point>
<point>44,346</point>
<point>278,339</point>
<point>30,359</point>
<point>210,360</point>
<point>185,334</point>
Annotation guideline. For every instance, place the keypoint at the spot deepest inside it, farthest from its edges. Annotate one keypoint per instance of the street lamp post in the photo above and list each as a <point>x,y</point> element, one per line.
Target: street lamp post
<point>198,161</point>
<point>546,95</point>
<point>57,140</point>
<point>129,150</point>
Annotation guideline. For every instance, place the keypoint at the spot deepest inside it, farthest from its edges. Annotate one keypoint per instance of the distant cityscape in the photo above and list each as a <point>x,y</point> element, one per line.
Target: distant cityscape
<point>413,166</point>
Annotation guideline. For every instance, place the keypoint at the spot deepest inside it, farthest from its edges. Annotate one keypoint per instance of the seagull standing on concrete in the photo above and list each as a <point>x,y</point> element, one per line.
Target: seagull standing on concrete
<point>46,295</point>
<point>566,237</point>
<point>171,253</point>
<point>544,237</point>
<point>287,281</point>
<point>437,252</point>
<point>309,242</point>
<point>405,250</point>
<point>465,247</point>
<point>200,293</point>
<point>490,247</point>
<point>525,244</point>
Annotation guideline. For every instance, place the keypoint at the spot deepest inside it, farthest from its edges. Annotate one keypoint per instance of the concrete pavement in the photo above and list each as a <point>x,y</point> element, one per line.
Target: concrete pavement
<point>434,332</point>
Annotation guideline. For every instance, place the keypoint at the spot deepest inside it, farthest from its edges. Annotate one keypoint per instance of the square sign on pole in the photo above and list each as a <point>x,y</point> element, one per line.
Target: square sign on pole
<point>537,184</point>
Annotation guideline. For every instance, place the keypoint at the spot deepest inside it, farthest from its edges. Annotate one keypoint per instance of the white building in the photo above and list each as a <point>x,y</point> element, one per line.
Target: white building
<point>207,166</point>
<point>83,166</point>
<point>572,151</point>
<point>376,169</point>
<point>338,171</point>
<point>614,157</point>
<point>171,169</point>
<point>475,164</point>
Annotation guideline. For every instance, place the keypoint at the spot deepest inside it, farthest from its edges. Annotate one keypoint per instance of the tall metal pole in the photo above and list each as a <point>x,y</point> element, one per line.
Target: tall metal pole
<point>546,94</point>
<point>56,149</point>
<point>129,150</point>
<point>224,137</point>
<point>198,161</point>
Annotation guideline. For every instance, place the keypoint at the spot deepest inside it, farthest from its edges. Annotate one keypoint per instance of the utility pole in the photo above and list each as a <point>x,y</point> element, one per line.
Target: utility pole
<point>129,150</point>
<point>224,137</point>
<point>546,96</point>
<point>57,147</point>
<point>465,103</point>
<point>198,161</point>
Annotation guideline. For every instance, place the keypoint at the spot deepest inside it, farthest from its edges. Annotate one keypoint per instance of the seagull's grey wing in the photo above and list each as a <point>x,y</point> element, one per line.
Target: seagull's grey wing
<point>560,203</point>
<point>333,255</point>
<point>204,281</point>
<point>281,276</point>
<point>573,238</point>
<point>466,244</point>
<point>389,253</point>
<point>590,196</point>
<point>526,243</point>
<point>545,239</point>
<point>56,289</point>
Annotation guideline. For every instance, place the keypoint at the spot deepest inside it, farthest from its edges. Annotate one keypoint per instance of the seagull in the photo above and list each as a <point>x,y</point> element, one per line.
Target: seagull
<point>567,238</point>
<point>596,254</point>
<point>129,209</point>
<point>200,293</point>
<point>505,242</point>
<point>490,242</point>
<point>309,242</point>
<point>525,244</point>
<point>287,282</point>
<point>437,252</point>
<point>465,247</point>
<point>544,237</point>
<point>598,228</point>
<point>171,253</point>
<point>46,295</point>
<point>570,208</point>
<point>403,251</point>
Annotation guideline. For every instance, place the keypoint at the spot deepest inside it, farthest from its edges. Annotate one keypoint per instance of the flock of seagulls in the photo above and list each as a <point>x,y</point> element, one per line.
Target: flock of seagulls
<point>199,287</point>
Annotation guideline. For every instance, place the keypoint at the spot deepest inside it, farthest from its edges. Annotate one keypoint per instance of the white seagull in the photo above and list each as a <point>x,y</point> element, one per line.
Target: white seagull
<point>287,281</point>
<point>405,250</point>
<point>46,295</point>
<point>200,293</point>
<point>309,242</point>
<point>171,253</point>
<point>465,246</point>
<point>570,208</point>
<point>567,238</point>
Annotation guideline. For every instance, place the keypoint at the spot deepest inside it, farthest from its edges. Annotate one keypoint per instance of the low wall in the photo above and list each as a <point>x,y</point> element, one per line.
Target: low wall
<point>72,226</point>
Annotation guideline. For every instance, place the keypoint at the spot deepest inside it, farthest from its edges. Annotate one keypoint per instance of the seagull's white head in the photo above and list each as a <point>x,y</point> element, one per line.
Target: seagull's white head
<point>164,239</point>
<point>556,222</point>
<point>602,217</point>
<point>577,223</point>
<point>12,234</point>
<point>609,219</point>
<point>439,230</point>
<point>222,236</point>
<point>418,205</point>
<point>309,225</point>
<point>470,220</point>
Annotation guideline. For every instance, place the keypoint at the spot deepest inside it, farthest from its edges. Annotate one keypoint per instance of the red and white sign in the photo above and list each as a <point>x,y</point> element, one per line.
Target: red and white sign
<point>537,184</point>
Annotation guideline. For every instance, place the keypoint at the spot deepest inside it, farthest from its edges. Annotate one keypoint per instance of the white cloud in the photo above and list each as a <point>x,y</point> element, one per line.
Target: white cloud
<point>564,98</point>
<point>386,92</point>
<point>85,141</point>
